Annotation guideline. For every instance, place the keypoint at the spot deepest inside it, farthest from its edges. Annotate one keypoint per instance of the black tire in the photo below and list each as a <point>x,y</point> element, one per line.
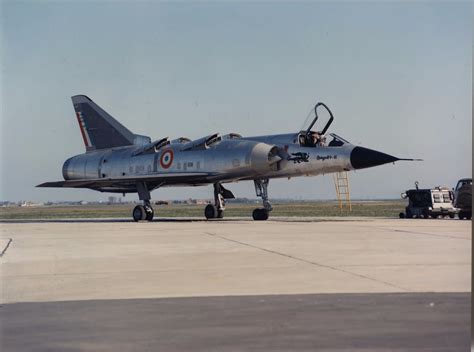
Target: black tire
<point>461,215</point>
<point>451,216</point>
<point>402,215</point>
<point>210,212</point>
<point>434,216</point>
<point>139,213</point>
<point>220,214</point>
<point>260,214</point>
<point>149,213</point>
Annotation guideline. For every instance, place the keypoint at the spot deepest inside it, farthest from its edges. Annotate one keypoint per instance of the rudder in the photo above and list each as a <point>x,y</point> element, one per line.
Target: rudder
<point>99,130</point>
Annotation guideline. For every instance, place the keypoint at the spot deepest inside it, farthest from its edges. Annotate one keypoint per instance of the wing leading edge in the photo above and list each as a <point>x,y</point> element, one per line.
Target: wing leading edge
<point>190,177</point>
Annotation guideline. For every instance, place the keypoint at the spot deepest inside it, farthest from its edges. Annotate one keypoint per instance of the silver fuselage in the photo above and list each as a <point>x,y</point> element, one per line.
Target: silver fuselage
<point>227,160</point>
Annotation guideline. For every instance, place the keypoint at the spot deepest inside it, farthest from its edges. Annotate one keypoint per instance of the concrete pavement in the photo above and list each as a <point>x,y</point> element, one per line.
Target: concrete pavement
<point>116,260</point>
<point>235,285</point>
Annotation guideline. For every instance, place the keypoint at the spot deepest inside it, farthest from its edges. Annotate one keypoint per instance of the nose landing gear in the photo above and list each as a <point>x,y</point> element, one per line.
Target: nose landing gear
<point>261,189</point>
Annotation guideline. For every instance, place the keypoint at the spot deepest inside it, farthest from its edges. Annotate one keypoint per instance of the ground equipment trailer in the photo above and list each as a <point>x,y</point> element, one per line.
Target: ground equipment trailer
<point>427,203</point>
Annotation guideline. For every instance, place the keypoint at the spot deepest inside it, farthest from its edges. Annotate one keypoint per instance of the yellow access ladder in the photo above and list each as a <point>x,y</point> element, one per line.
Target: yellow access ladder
<point>341,181</point>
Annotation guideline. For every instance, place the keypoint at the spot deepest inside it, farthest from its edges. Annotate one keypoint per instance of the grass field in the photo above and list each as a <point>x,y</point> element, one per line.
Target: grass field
<point>306,209</point>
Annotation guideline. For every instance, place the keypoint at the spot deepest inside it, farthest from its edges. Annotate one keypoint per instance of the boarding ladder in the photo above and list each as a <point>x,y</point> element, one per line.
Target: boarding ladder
<point>341,181</point>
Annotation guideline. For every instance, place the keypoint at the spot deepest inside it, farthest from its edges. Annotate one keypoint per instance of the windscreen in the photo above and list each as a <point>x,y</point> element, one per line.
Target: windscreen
<point>337,141</point>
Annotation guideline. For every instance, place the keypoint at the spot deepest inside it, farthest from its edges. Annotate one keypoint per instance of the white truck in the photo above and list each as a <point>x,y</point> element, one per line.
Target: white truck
<point>434,202</point>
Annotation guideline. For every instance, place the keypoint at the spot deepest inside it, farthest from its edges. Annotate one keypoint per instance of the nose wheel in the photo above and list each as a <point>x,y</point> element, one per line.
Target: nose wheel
<point>261,189</point>
<point>260,214</point>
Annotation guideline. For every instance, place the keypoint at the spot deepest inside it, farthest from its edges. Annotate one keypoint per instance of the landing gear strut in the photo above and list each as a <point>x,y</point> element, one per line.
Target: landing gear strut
<point>261,189</point>
<point>145,211</point>
<point>216,210</point>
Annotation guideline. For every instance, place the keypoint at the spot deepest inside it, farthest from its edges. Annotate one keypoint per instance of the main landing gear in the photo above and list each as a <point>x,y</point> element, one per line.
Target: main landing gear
<point>261,189</point>
<point>145,211</point>
<point>216,210</point>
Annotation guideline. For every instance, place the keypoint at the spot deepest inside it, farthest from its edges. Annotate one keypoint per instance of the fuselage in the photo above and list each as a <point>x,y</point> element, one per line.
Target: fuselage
<point>225,160</point>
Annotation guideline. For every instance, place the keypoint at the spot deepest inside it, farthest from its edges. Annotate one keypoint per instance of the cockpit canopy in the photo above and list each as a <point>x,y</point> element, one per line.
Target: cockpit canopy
<point>310,138</point>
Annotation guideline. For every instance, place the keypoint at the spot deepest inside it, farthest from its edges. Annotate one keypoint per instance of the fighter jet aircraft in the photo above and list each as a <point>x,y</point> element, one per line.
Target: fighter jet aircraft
<point>117,160</point>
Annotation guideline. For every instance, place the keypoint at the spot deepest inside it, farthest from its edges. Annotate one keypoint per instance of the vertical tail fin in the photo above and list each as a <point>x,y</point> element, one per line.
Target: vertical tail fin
<point>100,130</point>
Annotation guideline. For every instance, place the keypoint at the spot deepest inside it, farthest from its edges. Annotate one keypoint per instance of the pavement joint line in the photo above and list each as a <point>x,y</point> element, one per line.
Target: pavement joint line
<point>307,261</point>
<point>10,240</point>
<point>415,232</point>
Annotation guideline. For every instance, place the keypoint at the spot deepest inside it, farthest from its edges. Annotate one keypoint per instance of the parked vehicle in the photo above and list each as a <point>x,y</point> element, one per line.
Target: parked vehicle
<point>434,202</point>
<point>463,198</point>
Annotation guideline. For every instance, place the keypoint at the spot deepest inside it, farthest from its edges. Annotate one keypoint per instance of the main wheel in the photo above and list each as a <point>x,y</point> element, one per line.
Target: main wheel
<point>451,215</point>
<point>461,215</point>
<point>402,215</point>
<point>139,213</point>
<point>210,212</point>
<point>260,214</point>
<point>149,213</point>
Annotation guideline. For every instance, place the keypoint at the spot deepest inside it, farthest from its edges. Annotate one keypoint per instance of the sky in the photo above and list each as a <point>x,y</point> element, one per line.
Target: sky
<point>397,76</point>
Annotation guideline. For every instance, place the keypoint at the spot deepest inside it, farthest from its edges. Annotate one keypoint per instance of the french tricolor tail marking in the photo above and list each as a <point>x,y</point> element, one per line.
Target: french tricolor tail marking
<point>82,126</point>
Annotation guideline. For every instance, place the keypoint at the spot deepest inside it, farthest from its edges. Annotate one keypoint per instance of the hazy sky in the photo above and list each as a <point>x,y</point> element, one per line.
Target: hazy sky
<point>397,77</point>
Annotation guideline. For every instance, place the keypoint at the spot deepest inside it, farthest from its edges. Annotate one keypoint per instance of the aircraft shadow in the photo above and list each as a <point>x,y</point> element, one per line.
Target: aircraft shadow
<point>178,220</point>
<point>174,220</point>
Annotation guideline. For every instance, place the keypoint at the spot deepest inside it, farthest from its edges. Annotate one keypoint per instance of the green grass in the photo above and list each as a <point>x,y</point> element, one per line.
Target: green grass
<point>305,209</point>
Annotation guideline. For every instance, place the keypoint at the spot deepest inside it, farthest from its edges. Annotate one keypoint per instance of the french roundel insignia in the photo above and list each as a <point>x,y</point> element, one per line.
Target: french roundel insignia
<point>166,159</point>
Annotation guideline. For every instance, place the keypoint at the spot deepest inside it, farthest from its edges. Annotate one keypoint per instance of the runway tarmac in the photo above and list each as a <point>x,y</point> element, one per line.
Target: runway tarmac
<point>286,284</point>
<point>338,322</point>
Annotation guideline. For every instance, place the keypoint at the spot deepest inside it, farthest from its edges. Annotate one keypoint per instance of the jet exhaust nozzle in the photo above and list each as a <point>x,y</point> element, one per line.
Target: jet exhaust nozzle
<point>362,158</point>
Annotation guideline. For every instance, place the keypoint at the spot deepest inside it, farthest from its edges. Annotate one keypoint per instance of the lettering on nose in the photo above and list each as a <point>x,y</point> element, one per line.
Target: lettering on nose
<point>326,157</point>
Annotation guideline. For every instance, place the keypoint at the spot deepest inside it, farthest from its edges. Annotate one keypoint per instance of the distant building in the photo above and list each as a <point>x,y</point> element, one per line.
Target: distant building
<point>202,201</point>
<point>31,204</point>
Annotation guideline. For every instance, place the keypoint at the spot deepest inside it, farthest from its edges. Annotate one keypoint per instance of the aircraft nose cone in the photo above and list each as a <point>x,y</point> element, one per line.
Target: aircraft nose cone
<point>362,158</point>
